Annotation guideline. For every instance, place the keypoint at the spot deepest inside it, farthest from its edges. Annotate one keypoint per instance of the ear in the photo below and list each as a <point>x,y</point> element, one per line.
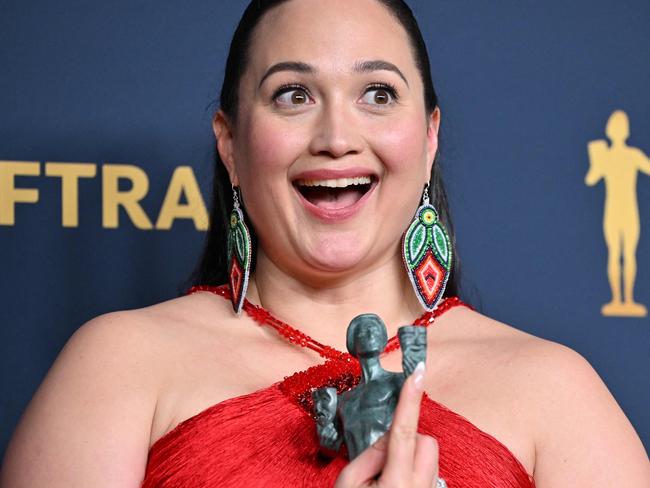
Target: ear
<point>223,131</point>
<point>433,126</point>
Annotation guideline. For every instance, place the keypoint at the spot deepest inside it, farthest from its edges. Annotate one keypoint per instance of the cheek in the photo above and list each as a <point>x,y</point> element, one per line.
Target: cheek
<point>402,145</point>
<point>267,145</point>
<point>265,149</point>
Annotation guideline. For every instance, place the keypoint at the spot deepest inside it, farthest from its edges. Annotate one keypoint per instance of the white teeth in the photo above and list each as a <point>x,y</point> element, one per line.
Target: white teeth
<point>337,183</point>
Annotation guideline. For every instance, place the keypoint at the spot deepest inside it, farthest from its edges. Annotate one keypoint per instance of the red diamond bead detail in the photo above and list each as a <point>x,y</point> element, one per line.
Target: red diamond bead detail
<point>430,276</point>
<point>236,276</point>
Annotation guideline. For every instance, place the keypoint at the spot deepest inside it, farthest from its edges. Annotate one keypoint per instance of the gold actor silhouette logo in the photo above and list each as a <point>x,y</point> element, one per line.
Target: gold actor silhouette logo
<point>618,165</point>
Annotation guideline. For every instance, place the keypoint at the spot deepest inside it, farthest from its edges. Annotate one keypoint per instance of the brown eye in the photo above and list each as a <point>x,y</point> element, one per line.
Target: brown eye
<point>291,96</point>
<point>380,95</point>
<point>298,97</point>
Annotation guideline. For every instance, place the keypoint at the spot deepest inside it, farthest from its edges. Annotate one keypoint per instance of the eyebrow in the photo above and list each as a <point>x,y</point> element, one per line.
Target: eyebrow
<point>359,67</point>
<point>378,65</point>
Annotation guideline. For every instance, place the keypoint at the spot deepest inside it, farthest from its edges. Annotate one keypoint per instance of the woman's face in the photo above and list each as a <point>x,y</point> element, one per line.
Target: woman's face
<point>332,145</point>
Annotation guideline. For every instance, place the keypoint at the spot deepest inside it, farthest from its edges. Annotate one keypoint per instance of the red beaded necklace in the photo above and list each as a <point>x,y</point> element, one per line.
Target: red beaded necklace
<point>263,317</point>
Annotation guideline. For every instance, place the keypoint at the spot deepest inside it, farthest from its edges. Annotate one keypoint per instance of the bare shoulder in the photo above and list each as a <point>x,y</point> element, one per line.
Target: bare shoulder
<point>483,340</point>
<point>142,339</point>
<point>581,433</point>
<point>89,423</point>
<point>581,436</point>
<point>153,335</point>
<point>525,357</point>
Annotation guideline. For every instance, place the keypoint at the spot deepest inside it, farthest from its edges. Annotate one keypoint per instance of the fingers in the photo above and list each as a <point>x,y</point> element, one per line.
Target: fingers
<point>425,466</point>
<point>365,467</point>
<point>403,432</point>
<point>370,463</point>
<point>402,456</point>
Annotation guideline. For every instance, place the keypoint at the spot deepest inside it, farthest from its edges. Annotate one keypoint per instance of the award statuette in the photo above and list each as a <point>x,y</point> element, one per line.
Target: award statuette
<point>359,417</point>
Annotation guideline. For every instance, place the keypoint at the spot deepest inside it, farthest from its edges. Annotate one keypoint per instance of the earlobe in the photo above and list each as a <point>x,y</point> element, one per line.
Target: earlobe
<point>223,132</point>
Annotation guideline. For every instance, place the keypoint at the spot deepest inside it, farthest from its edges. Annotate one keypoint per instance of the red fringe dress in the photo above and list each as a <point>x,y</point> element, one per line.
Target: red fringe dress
<point>268,438</point>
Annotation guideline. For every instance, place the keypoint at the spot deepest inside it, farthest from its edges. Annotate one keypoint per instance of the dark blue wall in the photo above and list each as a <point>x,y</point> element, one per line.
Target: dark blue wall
<point>524,86</point>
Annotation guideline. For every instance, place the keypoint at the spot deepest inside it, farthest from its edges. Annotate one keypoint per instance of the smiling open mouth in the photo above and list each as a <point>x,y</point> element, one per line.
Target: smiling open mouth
<point>335,193</point>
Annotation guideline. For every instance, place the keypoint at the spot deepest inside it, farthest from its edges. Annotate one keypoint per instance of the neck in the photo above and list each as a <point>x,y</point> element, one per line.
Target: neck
<point>370,368</point>
<point>325,311</point>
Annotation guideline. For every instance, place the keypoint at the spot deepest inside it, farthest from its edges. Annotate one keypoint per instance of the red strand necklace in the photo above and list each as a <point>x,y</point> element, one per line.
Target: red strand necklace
<point>263,317</point>
<point>339,370</point>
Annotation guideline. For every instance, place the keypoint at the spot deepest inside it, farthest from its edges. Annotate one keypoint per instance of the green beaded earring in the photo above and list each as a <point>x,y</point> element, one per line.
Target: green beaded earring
<point>239,255</point>
<point>427,254</point>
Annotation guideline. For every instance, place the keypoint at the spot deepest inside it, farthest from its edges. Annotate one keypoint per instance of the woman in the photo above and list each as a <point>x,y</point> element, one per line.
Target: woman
<point>304,110</point>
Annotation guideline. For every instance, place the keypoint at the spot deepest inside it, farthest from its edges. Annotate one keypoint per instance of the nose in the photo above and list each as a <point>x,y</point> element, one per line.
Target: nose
<point>336,132</point>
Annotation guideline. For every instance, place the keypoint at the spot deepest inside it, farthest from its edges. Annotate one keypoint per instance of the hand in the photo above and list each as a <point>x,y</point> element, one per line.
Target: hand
<point>402,457</point>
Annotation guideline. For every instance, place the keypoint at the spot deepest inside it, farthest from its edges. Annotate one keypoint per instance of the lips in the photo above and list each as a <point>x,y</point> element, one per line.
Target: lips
<point>334,193</point>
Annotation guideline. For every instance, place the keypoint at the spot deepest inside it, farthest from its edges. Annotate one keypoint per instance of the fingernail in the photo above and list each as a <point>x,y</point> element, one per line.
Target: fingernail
<point>418,376</point>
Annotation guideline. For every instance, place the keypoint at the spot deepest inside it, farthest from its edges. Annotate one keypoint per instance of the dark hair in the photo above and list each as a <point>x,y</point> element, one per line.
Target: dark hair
<point>212,268</point>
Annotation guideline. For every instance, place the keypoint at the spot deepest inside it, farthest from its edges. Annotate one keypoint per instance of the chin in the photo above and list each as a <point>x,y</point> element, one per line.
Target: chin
<point>338,254</point>
<point>336,263</point>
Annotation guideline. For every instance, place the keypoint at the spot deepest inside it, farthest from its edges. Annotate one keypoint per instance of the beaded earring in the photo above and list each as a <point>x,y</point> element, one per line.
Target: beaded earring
<point>427,254</point>
<point>239,255</point>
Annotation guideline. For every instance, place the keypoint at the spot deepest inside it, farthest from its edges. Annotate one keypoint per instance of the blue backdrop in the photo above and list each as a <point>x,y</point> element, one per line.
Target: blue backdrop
<point>524,85</point>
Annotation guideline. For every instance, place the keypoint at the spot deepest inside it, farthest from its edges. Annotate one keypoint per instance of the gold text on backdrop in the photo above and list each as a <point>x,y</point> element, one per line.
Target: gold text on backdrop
<point>182,184</point>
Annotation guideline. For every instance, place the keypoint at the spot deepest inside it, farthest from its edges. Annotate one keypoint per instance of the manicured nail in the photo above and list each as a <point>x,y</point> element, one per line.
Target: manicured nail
<point>418,376</point>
